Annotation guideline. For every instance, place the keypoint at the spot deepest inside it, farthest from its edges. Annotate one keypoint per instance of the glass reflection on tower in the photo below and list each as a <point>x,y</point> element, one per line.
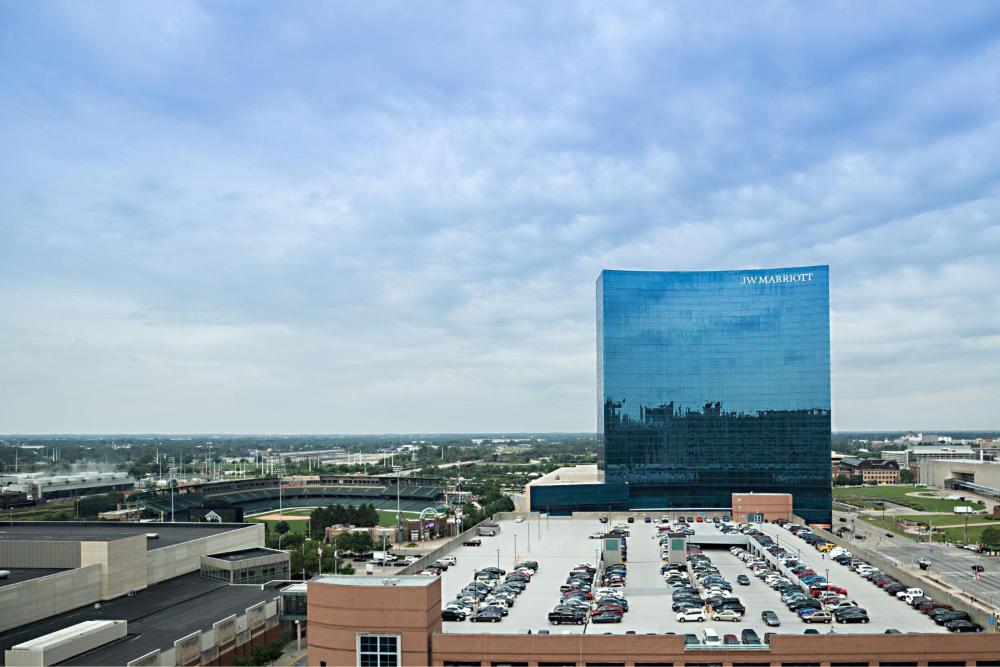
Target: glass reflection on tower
<point>716,382</point>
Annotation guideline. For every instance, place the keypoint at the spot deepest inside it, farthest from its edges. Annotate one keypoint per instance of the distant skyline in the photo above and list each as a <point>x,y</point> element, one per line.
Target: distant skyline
<point>389,218</point>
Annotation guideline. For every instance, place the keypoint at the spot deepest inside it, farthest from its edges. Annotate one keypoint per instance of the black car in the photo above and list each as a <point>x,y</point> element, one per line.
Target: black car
<point>943,616</point>
<point>530,564</point>
<point>963,626</point>
<point>606,617</point>
<point>770,618</point>
<point>611,599</point>
<point>452,615</point>
<point>767,637</point>
<point>487,615</point>
<point>743,580</point>
<point>648,520</point>
<point>851,615</point>
<point>749,636</point>
<point>603,519</point>
<point>567,616</point>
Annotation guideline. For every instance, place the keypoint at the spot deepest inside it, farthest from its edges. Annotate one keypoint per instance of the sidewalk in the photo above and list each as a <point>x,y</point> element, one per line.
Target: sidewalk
<point>291,657</point>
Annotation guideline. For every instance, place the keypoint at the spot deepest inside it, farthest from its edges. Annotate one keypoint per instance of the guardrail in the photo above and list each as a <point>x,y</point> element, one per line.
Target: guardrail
<point>442,550</point>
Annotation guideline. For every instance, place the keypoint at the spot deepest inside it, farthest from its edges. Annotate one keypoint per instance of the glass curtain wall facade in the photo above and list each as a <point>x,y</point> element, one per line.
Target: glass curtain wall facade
<point>716,382</point>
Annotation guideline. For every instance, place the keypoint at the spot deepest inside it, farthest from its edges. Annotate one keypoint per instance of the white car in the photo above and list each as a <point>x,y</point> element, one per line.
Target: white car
<point>596,535</point>
<point>451,560</point>
<point>691,615</point>
<point>519,519</point>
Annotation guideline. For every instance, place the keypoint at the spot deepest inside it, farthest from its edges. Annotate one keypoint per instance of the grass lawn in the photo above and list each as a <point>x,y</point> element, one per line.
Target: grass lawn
<point>863,496</point>
<point>293,525</point>
<point>386,518</point>
<point>946,520</point>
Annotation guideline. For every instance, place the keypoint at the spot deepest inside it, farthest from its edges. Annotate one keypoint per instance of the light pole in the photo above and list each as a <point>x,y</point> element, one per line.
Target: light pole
<point>498,559</point>
<point>399,517</point>
<point>515,547</point>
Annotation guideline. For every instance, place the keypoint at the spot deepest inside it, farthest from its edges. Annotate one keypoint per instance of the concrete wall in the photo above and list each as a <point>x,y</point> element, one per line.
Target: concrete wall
<point>169,562</point>
<point>445,548</point>
<point>123,564</point>
<point>39,553</point>
<point>634,650</point>
<point>35,599</point>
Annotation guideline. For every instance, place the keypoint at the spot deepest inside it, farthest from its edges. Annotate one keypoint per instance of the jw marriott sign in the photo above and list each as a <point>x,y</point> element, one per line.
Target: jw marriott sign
<point>781,278</point>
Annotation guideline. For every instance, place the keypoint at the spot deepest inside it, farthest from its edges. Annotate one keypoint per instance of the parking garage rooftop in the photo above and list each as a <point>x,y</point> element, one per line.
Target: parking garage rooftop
<point>560,543</point>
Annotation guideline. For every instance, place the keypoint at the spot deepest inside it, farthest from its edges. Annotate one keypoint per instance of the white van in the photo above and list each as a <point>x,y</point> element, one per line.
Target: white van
<point>710,637</point>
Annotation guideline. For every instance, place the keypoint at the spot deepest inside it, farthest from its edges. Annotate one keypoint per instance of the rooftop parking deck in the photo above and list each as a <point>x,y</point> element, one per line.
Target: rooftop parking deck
<point>559,543</point>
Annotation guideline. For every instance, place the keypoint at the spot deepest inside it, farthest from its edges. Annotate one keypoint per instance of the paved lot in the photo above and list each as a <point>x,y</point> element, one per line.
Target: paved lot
<point>951,564</point>
<point>559,543</point>
<point>884,610</point>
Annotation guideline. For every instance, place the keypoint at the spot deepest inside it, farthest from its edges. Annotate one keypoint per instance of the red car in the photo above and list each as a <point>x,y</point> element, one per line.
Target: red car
<point>609,608</point>
<point>816,591</point>
<point>928,607</point>
<point>805,573</point>
<point>730,639</point>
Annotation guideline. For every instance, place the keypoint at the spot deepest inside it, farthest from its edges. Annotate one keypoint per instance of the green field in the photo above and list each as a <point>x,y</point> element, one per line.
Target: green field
<point>864,496</point>
<point>946,520</point>
<point>386,518</point>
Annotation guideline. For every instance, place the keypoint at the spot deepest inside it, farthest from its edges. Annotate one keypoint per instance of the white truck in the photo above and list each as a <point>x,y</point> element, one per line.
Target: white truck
<point>963,509</point>
<point>383,558</point>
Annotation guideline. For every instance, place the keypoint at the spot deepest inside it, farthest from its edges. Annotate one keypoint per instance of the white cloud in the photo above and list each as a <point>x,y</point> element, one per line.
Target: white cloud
<point>359,220</point>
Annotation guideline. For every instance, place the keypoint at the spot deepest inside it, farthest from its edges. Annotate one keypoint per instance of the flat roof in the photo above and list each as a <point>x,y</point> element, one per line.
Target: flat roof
<point>19,574</point>
<point>580,474</point>
<point>247,554</point>
<point>105,531</point>
<point>157,616</point>
<point>350,580</point>
<point>559,543</point>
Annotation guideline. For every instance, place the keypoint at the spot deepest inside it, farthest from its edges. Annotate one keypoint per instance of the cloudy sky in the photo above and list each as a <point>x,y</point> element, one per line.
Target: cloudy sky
<point>389,217</point>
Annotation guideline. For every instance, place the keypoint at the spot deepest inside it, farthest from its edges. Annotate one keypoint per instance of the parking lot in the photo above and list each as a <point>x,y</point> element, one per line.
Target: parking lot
<point>559,543</point>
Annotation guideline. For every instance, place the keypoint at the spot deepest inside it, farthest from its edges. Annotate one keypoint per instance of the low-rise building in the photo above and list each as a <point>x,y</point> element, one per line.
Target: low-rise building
<point>878,471</point>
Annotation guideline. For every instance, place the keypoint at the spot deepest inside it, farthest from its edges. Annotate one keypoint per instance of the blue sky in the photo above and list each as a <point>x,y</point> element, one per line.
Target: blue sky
<point>389,217</point>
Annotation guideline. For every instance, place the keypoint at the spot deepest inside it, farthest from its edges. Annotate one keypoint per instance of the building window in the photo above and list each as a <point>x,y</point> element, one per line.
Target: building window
<point>378,650</point>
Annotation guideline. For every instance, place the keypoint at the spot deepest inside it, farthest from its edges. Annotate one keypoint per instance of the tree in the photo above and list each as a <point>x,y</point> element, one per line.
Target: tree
<point>990,536</point>
<point>281,527</point>
<point>841,480</point>
<point>906,476</point>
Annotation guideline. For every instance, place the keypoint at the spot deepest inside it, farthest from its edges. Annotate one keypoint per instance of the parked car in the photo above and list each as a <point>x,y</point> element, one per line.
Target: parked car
<point>567,616</point>
<point>819,616</point>
<point>691,615</point>
<point>487,615</point>
<point>743,580</point>
<point>452,615</point>
<point>727,615</point>
<point>606,617</point>
<point>963,626</point>
<point>770,618</point>
<point>750,637</point>
<point>474,542</point>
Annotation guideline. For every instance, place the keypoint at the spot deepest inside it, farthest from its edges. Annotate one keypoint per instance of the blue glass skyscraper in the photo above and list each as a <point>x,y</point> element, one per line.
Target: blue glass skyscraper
<point>715,382</point>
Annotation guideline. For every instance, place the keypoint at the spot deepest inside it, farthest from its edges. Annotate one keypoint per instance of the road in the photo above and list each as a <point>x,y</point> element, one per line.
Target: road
<point>948,563</point>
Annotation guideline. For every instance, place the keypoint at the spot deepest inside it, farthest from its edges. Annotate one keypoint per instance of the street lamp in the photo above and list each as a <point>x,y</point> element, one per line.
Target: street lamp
<point>498,559</point>
<point>399,518</point>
